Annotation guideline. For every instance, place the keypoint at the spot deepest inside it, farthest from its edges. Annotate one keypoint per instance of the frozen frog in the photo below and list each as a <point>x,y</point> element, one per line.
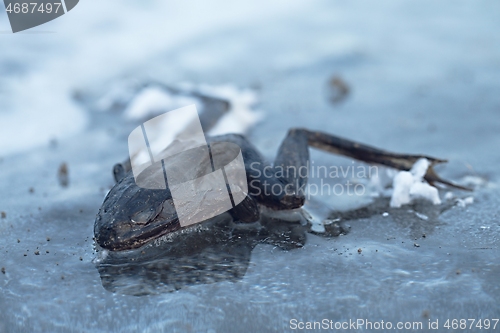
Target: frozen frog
<point>131,216</point>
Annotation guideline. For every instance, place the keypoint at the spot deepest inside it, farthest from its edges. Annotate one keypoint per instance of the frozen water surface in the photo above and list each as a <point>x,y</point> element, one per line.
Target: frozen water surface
<point>423,77</point>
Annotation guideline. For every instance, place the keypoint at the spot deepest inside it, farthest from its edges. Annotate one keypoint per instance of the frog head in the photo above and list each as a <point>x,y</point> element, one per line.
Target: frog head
<point>131,216</point>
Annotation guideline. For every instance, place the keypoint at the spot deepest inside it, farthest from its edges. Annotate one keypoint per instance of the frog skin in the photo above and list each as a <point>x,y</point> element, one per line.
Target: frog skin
<point>131,216</point>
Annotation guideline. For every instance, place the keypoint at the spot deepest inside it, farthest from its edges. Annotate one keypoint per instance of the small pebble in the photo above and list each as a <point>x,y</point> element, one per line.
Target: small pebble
<point>359,250</point>
<point>63,175</point>
<point>37,253</point>
<point>3,270</point>
<point>337,89</point>
<point>416,245</point>
<point>4,215</point>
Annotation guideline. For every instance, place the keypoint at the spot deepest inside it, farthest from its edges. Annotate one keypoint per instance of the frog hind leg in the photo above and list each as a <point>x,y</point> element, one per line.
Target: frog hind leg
<point>293,155</point>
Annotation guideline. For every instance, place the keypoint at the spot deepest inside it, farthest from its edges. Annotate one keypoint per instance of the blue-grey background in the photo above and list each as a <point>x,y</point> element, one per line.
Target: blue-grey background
<point>424,77</point>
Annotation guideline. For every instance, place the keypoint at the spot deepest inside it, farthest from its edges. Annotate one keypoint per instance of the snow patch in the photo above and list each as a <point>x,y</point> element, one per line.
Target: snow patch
<point>241,116</point>
<point>154,100</point>
<point>422,216</point>
<point>409,185</point>
<point>464,202</point>
<point>35,110</point>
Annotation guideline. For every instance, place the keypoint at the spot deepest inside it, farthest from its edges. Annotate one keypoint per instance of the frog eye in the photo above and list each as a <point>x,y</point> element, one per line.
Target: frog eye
<point>144,216</point>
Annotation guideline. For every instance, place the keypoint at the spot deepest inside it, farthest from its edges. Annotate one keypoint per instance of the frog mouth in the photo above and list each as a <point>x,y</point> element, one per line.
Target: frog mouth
<point>127,235</point>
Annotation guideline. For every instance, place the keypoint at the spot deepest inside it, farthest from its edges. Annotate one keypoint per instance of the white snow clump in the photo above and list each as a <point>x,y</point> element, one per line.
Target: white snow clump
<point>409,185</point>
